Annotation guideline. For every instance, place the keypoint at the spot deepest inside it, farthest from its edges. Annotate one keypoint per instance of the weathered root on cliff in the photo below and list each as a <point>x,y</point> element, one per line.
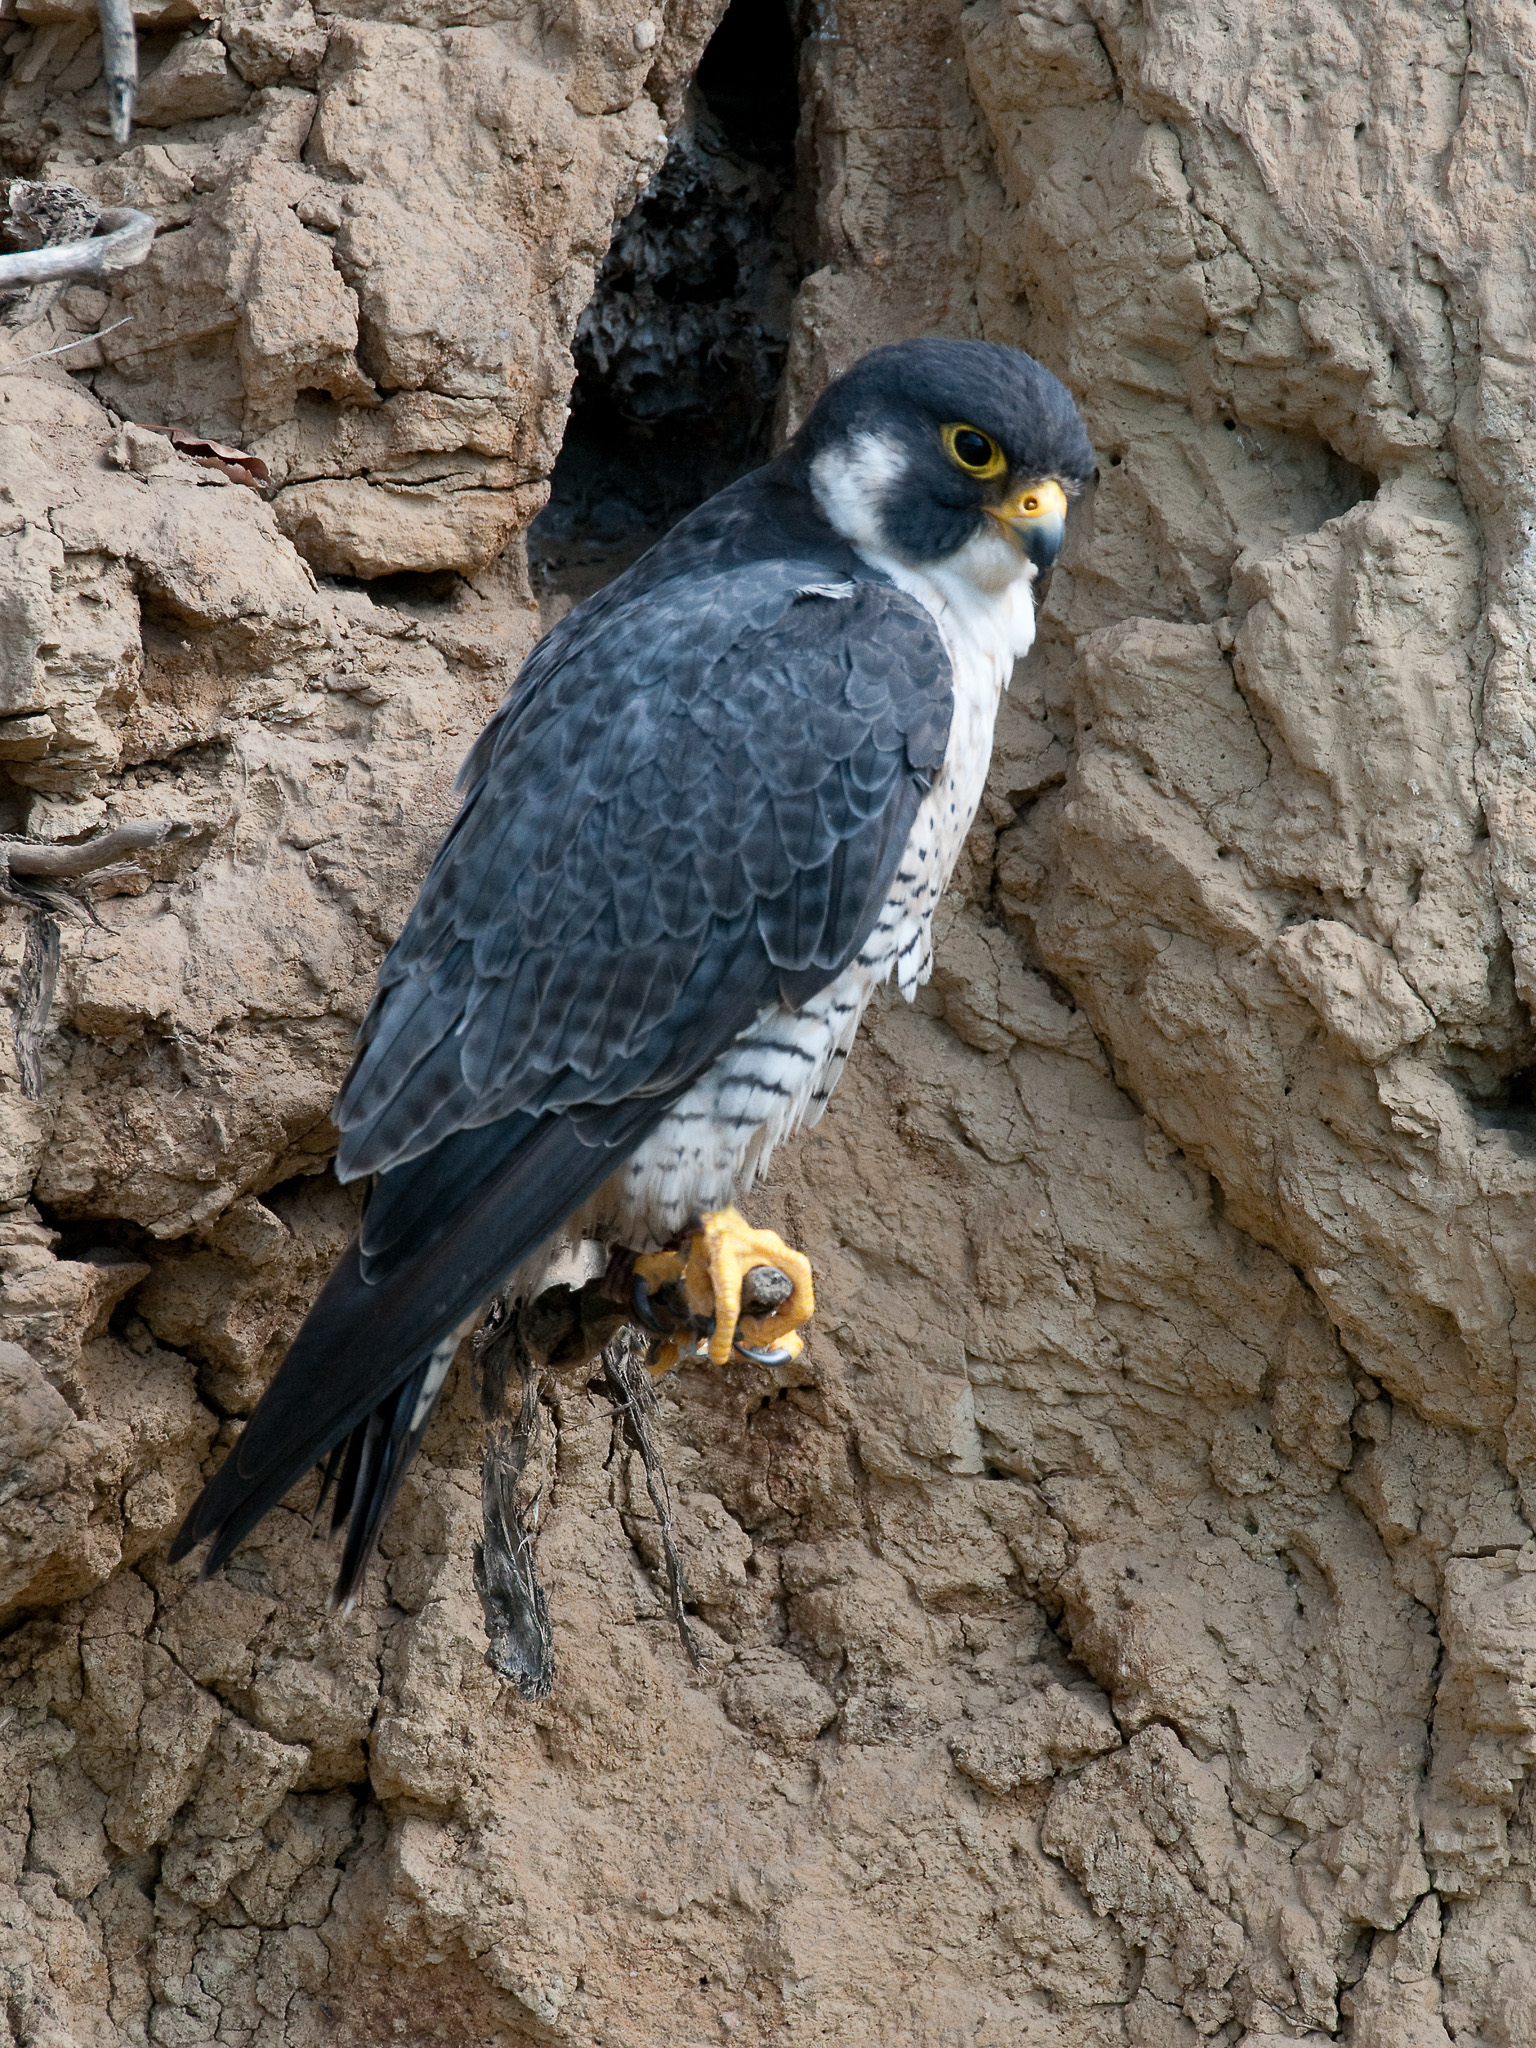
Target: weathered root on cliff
<point>34,999</point>
<point>32,875</point>
<point>624,1364</point>
<point>561,1329</point>
<point>519,1639</point>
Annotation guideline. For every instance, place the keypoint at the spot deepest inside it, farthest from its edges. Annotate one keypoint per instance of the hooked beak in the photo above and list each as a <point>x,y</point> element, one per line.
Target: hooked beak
<point>1036,516</point>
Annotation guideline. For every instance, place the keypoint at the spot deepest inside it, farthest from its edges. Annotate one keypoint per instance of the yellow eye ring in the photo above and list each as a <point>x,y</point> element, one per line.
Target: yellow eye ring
<point>968,448</point>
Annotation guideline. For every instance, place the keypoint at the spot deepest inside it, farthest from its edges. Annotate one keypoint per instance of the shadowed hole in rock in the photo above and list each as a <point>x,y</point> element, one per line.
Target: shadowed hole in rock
<point>1311,481</point>
<point>1507,1105</point>
<point>411,588</point>
<point>680,350</point>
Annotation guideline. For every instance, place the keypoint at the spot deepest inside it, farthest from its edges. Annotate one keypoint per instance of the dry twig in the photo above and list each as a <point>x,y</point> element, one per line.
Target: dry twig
<point>64,347</point>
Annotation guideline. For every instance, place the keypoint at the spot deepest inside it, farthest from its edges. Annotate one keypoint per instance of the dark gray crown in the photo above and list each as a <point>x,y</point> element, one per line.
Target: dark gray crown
<point>908,392</point>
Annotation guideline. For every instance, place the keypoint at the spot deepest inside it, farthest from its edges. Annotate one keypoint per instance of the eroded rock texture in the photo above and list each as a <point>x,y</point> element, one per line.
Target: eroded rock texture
<point>1119,1632</point>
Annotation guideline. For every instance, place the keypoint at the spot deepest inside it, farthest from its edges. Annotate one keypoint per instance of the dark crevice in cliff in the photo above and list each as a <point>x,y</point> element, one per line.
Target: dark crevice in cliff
<point>680,349</point>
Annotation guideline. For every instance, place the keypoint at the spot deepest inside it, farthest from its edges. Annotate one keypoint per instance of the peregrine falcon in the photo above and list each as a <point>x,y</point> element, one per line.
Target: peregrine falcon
<point>714,814</point>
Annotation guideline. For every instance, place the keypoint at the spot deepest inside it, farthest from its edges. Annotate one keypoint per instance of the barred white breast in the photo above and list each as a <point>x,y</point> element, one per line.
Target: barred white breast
<point>778,1076</point>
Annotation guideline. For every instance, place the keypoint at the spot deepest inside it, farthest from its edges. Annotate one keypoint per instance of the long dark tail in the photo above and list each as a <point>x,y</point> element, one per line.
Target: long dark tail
<point>360,1379</point>
<point>367,1467</point>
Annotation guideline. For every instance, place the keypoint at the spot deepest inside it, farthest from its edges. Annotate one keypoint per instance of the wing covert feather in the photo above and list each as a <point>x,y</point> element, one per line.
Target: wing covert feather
<point>693,810</point>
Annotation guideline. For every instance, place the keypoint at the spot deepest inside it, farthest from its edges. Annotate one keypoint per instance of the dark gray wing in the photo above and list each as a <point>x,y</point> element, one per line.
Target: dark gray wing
<point>693,803</point>
<point>699,807</point>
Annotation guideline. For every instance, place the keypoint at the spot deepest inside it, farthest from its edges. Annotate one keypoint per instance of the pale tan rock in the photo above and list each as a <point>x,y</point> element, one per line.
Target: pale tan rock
<point>353,528</point>
<point>1114,1630</point>
<point>771,1695</point>
<point>1354,985</point>
<point>1397,2003</point>
<point>33,1413</point>
<point>194,83</point>
<point>221,1835</point>
<point>176,1725</point>
<point>268,40</point>
<point>30,556</point>
<point>1028,1743</point>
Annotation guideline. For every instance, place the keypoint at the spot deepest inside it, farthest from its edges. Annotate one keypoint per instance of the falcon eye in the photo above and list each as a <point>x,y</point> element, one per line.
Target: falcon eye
<point>974,452</point>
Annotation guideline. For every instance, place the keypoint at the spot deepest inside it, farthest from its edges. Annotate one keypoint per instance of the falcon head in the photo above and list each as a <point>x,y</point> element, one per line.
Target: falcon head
<point>960,453</point>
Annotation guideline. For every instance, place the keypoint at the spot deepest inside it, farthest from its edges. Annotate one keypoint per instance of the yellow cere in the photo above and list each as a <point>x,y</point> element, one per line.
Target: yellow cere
<point>1038,501</point>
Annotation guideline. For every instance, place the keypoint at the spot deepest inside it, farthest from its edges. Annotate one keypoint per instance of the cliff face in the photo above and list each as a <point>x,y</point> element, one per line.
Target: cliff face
<point>1118,1630</point>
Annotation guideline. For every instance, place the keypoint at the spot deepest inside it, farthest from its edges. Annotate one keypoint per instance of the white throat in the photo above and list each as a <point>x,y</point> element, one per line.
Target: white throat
<point>981,596</point>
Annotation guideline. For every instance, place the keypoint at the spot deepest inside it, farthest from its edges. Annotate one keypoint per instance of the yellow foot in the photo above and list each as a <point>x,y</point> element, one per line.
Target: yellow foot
<point>719,1259</point>
<point>712,1267</point>
<point>660,1269</point>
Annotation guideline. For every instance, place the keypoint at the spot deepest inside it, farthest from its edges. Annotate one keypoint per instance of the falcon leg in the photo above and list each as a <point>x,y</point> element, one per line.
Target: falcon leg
<point>711,1269</point>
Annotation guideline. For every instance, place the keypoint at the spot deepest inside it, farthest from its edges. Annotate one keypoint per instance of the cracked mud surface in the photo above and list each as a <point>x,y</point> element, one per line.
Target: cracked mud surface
<point>1119,1625</point>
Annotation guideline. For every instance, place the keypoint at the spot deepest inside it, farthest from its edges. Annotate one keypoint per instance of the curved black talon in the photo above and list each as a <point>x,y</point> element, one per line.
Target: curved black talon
<point>767,1358</point>
<point>669,1322</point>
<point>640,1294</point>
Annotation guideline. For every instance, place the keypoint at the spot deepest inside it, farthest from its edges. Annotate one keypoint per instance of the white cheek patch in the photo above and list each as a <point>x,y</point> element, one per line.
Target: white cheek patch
<point>852,482</point>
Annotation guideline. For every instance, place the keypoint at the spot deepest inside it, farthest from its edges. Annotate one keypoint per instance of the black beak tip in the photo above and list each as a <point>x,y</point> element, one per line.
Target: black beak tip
<point>1042,544</point>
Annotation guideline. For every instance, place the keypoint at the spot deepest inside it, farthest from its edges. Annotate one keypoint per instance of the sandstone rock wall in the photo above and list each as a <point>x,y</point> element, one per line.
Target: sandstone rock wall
<point>1119,1630</point>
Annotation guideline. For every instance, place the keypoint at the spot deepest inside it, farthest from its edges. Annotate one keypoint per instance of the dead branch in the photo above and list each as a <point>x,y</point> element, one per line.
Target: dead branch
<point>119,64</point>
<point>27,857</point>
<point>123,239</point>
<point>64,347</point>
